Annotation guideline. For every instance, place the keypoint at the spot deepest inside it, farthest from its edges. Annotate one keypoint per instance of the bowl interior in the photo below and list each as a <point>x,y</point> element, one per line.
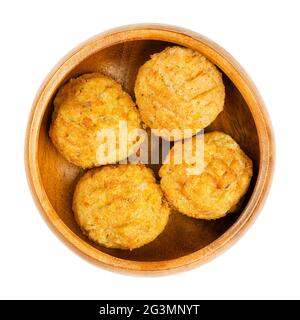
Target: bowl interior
<point>182,235</point>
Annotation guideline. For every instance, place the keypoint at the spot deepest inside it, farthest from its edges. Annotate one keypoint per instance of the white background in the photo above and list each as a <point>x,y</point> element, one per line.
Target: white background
<point>264,36</point>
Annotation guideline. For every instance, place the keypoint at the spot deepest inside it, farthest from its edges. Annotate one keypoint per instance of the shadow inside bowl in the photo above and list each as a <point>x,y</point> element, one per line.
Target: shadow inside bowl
<point>183,235</point>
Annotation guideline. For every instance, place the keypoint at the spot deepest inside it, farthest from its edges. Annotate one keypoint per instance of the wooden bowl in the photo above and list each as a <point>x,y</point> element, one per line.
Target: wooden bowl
<point>185,242</point>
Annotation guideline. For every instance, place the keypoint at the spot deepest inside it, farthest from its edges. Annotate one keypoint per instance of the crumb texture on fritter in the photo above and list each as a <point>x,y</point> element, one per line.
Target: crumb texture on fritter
<point>84,106</point>
<point>218,188</point>
<point>179,88</point>
<point>120,206</point>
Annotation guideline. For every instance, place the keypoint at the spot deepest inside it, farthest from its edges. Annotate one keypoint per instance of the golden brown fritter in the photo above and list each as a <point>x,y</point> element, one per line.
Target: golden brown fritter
<point>120,206</point>
<point>179,88</point>
<point>218,188</point>
<point>85,105</point>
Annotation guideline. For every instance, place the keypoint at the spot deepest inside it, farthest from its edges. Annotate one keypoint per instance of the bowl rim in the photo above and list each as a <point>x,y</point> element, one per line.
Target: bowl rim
<point>237,75</point>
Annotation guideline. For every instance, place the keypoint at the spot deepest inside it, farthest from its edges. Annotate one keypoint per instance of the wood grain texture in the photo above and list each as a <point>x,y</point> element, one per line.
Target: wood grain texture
<point>186,241</point>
